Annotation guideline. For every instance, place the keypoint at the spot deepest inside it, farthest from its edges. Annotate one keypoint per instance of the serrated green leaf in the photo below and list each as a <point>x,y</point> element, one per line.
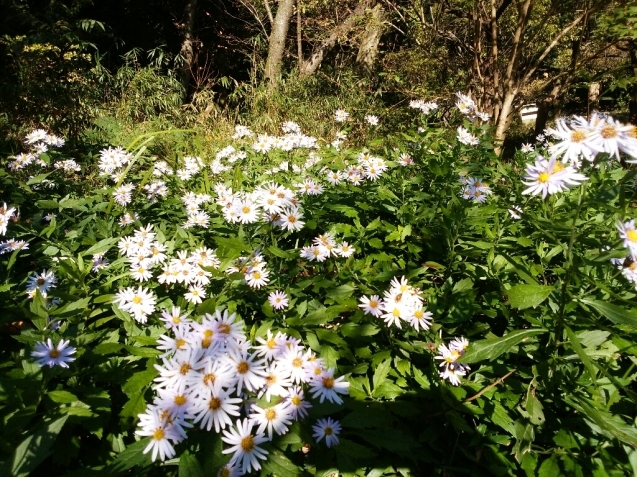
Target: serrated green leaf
<point>189,466</point>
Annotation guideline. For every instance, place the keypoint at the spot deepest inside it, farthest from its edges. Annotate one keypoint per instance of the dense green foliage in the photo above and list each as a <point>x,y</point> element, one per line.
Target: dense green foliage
<point>551,322</point>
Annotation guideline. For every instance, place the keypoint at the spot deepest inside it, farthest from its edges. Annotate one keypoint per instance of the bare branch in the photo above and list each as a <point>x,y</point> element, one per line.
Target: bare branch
<point>267,9</point>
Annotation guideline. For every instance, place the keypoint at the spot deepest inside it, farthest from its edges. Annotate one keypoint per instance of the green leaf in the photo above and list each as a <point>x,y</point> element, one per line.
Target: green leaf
<point>535,409</point>
<point>375,242</point>
<point>33,450</point>
<point>143,352</point>
<point>526,296</point>
<point>101,246</point>
<point>550,468</point>
<point>492,348</point>
<point>107,348</point>
<point>132,456</point>
<point>592,371</point>
<point>614,313</point>
<point>381,373</point>
<point>343,291</point>
<point>63,397</point>
<point>278,464</point>
<point>139,381</point>
<point>189,466</point>
<point>352,449</point>
<point>607,422</point>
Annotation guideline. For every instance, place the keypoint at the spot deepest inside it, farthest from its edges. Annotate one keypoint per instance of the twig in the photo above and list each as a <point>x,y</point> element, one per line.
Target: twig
<point>476,396</point>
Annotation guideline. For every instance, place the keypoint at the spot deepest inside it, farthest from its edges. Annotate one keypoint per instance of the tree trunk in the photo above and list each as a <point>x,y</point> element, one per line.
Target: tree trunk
<point>506,113</point>
<point>276,47</point>
<point>593,97</point>
<point>545,107</point>
<point>187,49</point>
<point>368,50</point>
<point>310,66</point>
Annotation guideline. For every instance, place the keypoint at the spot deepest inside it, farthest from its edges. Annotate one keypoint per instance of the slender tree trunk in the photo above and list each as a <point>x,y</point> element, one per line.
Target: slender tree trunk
<point>368,50</point>
<point>315,60</point>
<point>276,47</point>
<point>187,48</point>
<point>299,34</point>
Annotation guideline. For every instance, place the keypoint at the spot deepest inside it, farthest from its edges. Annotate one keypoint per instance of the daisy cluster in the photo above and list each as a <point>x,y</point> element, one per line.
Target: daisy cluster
<point>230,154</point>
<point>401,303</point>
<point>292,139</point>
<point>113,161</point>
<point>424,106</point>
<point>368,167</point>
<point>196,216</point>
<point>270,202</point>
<point>144,254</point>
<point>325,246</point>
<point>475,189</point>
<point>550,176</point>
<point>465,137</point>
<point>192,166</point>
<point>211,375</point>
<point>449,356</point>
<point>253,269</point>
<point>39,141</point>
<point>12,245</point>
<point>468,107</point>
<point>579,140</point>
<point>628,266</point>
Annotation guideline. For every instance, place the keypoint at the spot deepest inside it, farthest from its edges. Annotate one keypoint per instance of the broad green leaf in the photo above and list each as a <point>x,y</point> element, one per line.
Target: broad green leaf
<point>492,348</point>
<point>550,468</point>
<point>527,296</point>
<point>33,450</point>
<point>343,291</point>
<point>139,381</point>
<point>614,313</point>
<point>189,466</point>
<point>63,397</point>
<point>355,450</point>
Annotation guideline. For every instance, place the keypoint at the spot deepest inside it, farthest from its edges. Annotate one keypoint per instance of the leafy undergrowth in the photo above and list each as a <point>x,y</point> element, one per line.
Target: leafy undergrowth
<point>432,313</point>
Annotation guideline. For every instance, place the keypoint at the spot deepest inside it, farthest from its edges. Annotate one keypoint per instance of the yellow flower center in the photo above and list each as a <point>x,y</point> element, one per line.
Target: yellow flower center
<point>180,400</point>
<point>184,368</point>
<point>543,177</point>
<point>271,344</point>
<point>247,444</point>
<point>214,403</point>
<point>209,378</point>
<point>256,275</point>
<point>137,300</point>
<point>578,135</point>
<point>373,304</point>
<point>328,383</point>
<point>225,329</point>
<point>296,401</point>
<point>179,343</point>
<point>328,431</point>
<point>609,132</point>
<point>297,362</point>
<point>631,235</point>
<point>396,312</point>
<point>158,435</point>
<point>243,367</point>
<point>54,353</point>
<point>559,166</point>
<point>270,414</point>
